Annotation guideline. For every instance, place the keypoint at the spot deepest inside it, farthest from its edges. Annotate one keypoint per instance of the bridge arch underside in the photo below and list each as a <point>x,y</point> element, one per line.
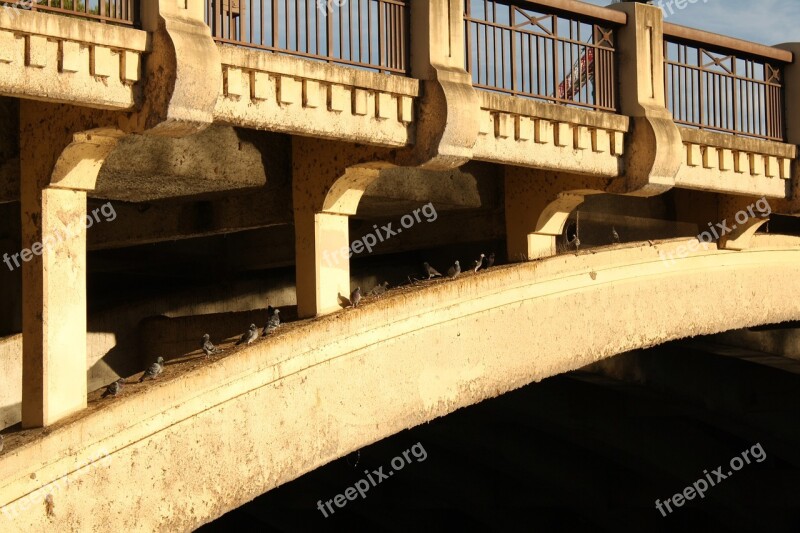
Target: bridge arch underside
<point>194,446</point>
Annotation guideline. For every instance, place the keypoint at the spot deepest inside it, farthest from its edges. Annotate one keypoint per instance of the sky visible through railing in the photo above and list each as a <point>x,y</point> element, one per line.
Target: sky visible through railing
<point>762,21</point>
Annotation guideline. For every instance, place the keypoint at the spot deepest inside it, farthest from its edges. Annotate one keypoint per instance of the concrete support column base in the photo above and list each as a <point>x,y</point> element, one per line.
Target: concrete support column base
<point>53,261</point>
<point>323,262</point>
<point>538,204</point>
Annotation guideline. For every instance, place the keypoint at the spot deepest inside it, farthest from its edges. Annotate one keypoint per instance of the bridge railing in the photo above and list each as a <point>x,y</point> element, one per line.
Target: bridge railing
<point>536,50</point>
<point>112,11</point>
<point>722,84</point>
<point>362,33</point>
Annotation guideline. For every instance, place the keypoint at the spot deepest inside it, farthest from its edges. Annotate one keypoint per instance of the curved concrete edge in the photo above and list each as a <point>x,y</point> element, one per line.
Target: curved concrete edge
<point>189,449</point>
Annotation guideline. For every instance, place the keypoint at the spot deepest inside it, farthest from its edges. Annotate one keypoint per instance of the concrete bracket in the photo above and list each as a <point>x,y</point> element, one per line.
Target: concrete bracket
<point>183,72</point>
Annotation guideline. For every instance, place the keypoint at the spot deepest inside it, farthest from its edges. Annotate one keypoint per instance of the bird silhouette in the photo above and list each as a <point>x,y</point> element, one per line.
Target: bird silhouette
<point>248,336</point>
<point>454,270</point>
<point>478,263</point>
<point>614,235</point>
<point>489,261</point>
<point>114,388</point>
<point>355,297</point>
<point>377,290</point>
<point>273,321</point>
<point>153,370</point>
<point>430,271</point>
<point>207,346</point>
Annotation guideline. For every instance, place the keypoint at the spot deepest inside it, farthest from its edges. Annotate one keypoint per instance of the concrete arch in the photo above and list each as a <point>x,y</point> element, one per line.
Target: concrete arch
<point>323,388</point>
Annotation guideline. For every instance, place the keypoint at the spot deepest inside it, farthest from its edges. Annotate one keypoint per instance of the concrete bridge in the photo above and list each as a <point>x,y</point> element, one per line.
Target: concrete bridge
<point>277,136</point>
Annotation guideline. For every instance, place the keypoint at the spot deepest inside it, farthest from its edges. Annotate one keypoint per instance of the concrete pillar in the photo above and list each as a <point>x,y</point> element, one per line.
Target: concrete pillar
<point>54,301</point>
<point>328,180</point>
<point>654,149</point>
<point>538,204</point>
<point>791,86</point>
<point>57,167</point>
<point>322,262</point>
<point>449,108</point>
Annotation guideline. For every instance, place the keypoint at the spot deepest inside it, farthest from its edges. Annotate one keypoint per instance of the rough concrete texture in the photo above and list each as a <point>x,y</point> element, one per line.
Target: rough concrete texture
<point>534,134</point>
<point>59,59</point>
<point>736,165</point>
<point>327,387</point>
<point>182,77</point>
<point>294,95</point>
<point>147,167</point>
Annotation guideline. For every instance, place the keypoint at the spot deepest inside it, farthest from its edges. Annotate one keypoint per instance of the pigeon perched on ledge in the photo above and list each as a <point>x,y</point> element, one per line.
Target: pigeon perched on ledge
<point>478,263</point>
<point>273,320</point>
<point>489,261</point>
<point>153,370</point>
<point>430,271</point>
<point>2,438</point>
<point>355,297</point>
<point>248,336</point>
<point>614,235</point>
<point>207,346</point>
<point>454,270</point>
<point>377,290</point>
<point>114,388</point>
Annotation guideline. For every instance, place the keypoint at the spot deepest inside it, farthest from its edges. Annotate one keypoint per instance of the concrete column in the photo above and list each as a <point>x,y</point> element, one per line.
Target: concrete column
<point>54,302</point>
<point>323,262</point>
<point>654,149</point>
<point>449,108</point>
<point>538,204</point>
<point>328,180</point>
<point>791,86</point>
<point>57,167</point>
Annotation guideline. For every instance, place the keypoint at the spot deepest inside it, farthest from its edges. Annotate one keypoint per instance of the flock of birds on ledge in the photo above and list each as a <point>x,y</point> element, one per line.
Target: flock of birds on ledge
<point>274,320</point>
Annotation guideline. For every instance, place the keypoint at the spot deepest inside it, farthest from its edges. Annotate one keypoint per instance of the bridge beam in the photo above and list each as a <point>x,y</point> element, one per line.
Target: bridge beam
<point>56,172</point>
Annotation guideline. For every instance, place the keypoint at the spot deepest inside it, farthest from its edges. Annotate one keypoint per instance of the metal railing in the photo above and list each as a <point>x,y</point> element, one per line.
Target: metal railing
<point>362,33</point>
<point>722,89</point>
<point>111,11</point>
<point>529,49</point>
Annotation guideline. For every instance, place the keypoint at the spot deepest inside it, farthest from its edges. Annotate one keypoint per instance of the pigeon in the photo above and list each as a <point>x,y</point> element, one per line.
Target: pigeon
<point>114,388</point>
<point>154,370</point>
<point>248,336</point>
<point>207,346</point>
<point>490,260</point>
<point>1,442</point>
<point>430,271</point>
<point>454,271</point>
<point>355,297</point>
<point>377,290</point>
<point>478,263</point>
<point>273,321</point>
<point>614,235</point>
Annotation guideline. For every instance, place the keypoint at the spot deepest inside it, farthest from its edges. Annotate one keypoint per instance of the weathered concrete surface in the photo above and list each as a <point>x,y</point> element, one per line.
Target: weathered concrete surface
<point>54,58</point>
<point>319,390</point>
<point>736,165</point>
<point>220,158</point>
<point>289,94</point>
<point>524,132</point>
